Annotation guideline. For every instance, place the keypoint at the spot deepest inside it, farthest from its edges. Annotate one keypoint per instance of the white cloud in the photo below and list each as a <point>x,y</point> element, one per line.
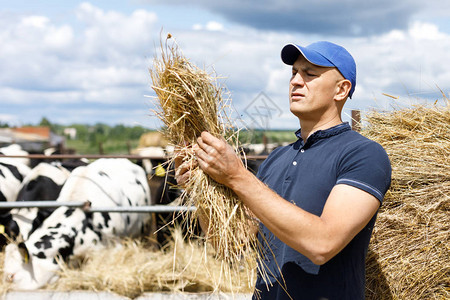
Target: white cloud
<point>197,27</point>
<point>214,26</point>
<point>35,21</point>
<point>57,38</point>
<point>408,64</point>
<point>210,26</point>
<point>425,31</point>
<point>110,50</point>
<point>113,32</point>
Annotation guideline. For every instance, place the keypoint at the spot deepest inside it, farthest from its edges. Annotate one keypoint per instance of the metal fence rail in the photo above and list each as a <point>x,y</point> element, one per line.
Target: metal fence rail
<point>97,156</point>
<point>88,208</point>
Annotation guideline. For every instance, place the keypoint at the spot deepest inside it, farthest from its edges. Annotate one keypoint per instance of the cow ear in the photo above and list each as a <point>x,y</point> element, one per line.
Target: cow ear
<point>24,252</point>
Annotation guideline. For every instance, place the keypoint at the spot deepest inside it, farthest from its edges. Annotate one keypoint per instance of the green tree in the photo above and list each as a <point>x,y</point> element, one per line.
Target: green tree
<point>45,122</point>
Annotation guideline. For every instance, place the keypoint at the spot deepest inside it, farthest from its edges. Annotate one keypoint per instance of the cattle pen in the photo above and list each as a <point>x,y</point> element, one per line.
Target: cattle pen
<point>50,203</point>
<point>154,209</point>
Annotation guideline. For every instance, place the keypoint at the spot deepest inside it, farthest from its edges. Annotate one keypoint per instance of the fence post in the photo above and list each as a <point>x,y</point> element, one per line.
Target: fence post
<point>356,120</point>
<point>129,146</point>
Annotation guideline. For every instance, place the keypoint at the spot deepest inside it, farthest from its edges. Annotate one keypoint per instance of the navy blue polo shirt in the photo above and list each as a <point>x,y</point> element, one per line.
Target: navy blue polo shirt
<point>305,174</point>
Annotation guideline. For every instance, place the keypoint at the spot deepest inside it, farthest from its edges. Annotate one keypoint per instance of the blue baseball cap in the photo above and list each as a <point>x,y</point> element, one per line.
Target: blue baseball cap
<point>323,54</point>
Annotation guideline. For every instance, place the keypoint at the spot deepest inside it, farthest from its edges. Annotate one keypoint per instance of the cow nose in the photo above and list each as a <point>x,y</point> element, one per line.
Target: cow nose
<point>10,278</point>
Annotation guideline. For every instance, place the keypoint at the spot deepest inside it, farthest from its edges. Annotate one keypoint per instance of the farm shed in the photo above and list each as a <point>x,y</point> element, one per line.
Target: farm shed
<point>31,139</point>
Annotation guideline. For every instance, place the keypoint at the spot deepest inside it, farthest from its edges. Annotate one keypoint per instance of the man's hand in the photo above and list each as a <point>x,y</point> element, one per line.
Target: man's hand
<point>218,159</point>
<point>183,167</point>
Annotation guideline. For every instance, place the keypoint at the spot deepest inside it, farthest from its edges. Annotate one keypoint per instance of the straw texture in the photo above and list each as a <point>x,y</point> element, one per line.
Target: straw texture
<point>409,251</point>
<point>190,101</point>
<point>135,267</point>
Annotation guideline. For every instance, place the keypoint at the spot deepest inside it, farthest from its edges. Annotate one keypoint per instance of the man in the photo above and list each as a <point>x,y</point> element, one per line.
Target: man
<point>317,198</point>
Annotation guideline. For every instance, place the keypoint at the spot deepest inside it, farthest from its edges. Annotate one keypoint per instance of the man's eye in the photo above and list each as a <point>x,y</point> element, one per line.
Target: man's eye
<point>311,74</point>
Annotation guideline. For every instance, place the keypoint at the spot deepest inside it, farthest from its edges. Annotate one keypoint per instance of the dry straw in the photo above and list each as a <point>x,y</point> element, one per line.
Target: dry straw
<point>136,266</point>
<point>190,101</point>
<point>409,251</point>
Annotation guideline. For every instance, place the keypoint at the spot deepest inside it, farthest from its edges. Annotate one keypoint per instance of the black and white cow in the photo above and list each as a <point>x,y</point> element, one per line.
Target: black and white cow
<point>43,183</point>
<point>72,232</point>
<point>12,173</point>
<point>15,149</point>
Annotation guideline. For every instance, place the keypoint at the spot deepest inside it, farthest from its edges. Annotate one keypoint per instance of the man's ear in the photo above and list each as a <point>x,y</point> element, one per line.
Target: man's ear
<point>343,89</point>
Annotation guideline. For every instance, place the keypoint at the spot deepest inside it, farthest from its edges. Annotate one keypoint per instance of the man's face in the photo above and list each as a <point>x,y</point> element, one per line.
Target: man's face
<point>312,90</point>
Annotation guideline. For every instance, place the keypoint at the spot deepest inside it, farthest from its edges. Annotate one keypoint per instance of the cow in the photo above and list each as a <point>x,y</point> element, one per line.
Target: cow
<point>149,165</point>
<point>165,191</point>
<point>155,144</point>
<point>43,183</point>
<point>162,184</point>
<point>68,163</point>
<point>12,173</point>
<point>71,232</point>
<point>15,149</point>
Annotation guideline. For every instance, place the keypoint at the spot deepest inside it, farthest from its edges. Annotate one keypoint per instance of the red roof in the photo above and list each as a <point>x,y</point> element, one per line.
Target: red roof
<point>40,131</point>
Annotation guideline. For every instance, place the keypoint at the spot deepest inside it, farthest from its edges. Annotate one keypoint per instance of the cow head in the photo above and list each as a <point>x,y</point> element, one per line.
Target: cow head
<point>25,271</point>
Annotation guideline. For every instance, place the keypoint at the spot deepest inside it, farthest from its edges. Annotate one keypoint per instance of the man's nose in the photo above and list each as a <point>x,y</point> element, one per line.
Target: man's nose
<point>297,79</point>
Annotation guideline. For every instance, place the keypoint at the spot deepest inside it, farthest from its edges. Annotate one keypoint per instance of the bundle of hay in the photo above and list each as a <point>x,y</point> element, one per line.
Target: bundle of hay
<point>409,251</point>
<point>189,102</point>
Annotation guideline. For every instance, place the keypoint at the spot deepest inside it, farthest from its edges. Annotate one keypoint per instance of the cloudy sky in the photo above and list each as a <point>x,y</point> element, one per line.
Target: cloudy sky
<point>87,62</point>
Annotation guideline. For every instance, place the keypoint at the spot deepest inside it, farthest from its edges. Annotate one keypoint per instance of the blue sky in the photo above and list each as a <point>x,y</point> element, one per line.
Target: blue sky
<point>87,62</point>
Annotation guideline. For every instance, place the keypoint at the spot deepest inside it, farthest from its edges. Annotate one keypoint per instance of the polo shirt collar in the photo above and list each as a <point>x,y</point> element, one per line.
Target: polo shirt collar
<point>322,134</point>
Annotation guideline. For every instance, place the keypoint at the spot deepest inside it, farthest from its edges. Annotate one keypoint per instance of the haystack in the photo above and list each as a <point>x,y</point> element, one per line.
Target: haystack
<point>409,254</point>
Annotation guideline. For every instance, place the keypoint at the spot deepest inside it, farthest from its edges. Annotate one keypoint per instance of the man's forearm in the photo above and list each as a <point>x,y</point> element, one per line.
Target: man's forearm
<point>297,228</point>
<point>347,209</point>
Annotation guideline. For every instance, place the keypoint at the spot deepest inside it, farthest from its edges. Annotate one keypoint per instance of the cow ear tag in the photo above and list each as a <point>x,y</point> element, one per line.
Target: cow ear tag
<point>24,252</point>
<point>160,171</point>
<point>2,229</point>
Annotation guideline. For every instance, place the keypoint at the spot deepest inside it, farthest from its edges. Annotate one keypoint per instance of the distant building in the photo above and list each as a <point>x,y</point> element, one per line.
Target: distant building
<point>32,139</point>
<point>70,132</point>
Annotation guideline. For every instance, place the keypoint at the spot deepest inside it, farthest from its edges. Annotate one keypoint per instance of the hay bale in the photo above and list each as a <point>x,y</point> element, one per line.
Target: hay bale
<point>409,251</point>
<point>152,139</point>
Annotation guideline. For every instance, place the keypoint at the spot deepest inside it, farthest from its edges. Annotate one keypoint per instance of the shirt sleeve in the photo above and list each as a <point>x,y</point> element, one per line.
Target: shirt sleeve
<point>366,166</point>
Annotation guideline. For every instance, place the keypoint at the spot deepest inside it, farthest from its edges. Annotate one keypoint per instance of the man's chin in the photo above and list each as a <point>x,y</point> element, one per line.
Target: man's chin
<point>297,108</point>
